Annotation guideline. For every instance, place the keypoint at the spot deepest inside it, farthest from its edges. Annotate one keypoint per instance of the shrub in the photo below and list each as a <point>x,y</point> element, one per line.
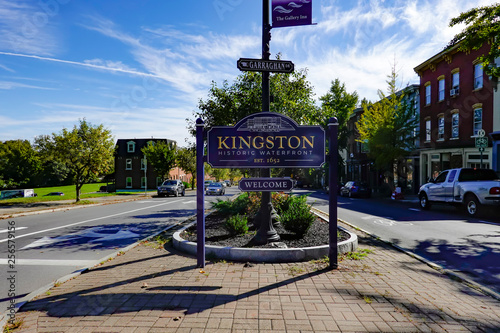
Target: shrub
<point>228,207</point>
<point>237,225</point>
<point>253,204</point>
<point>281,201</point>
<point>298,217</point>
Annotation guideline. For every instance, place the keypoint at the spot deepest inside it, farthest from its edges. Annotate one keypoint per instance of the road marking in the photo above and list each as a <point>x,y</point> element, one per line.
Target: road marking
<point>48,262</point>
<point>86,221</point>
<point>17,228</point>
<point>188,202</point>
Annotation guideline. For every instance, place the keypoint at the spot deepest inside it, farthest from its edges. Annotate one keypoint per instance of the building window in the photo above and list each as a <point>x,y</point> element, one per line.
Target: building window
<point>454,125</point>
<point>428,130</point>
<point>143,164</point>
<point>478,120</point>
<point>478,76</point>
<point>441,128</point>
<point>128,164</point>
<point>143,182</point>
<point>441,89</point>
<point>428,94</point>
<point>130,147</point>
<point>455,83</point>
<point>128,183</point>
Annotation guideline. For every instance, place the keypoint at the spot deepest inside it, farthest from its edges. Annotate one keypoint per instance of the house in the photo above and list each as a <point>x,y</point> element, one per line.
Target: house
<point>456,104</point>
<point>131,171</point>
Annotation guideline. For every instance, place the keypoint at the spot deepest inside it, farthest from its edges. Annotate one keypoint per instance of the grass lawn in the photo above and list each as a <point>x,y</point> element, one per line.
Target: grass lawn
<point>88,191</point>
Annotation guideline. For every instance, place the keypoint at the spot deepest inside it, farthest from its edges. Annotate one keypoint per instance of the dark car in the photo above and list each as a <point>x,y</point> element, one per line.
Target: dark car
<point>54,194</point>
<point>171,187</point>
<point>339,187</point>
<point>356,189</point>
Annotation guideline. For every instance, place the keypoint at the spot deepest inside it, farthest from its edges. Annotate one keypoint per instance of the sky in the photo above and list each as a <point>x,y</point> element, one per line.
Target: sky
<point>141,67</point>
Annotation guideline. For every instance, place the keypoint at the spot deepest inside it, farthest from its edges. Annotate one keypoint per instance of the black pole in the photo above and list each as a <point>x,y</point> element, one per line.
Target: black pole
<point>266,232</point>
<point>333,184</point>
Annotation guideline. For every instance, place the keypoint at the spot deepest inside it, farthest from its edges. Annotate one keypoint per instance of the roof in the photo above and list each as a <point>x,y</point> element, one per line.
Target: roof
<point>121,145</point>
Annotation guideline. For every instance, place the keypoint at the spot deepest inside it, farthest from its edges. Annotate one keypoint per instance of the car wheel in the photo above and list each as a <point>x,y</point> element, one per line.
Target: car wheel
<point>424,202</point>
<point>350,194</point>
<point>176,194</point>
<point>183,192</point>
<point>471,205</point>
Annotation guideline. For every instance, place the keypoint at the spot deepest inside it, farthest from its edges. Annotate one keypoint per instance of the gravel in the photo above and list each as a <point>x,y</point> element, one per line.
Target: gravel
<point>216,234</point>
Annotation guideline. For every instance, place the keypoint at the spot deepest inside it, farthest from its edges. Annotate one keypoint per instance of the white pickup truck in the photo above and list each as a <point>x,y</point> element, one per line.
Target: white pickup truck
<point>466,187</point>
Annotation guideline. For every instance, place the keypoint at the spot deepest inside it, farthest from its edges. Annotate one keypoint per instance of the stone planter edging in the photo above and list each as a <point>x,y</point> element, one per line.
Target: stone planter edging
<point>263,254</point>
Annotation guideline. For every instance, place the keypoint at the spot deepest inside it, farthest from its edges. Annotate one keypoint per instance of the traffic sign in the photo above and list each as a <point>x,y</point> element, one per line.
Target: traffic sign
<point>266,184</point>
<point>481,142</point>
<point>481,133</point>
<point>260,65</point>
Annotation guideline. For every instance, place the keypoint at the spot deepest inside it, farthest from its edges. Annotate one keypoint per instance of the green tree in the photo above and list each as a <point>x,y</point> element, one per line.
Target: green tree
<point>387,127</point>
<point>186,160</point>
<point>482,26</point>
<point>292,95</point>
<point>86,151</point>
<point>162,156</point>
<point>19,163</point>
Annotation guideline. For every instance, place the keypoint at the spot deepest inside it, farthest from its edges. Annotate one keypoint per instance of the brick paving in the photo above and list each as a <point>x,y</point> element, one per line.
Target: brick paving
<point>161,290</point>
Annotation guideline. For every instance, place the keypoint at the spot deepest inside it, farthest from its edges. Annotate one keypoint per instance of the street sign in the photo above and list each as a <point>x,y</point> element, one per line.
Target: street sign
<point>481,142</point>
<point>481,149</point>
<point>259,65</point>
<point>265,184</point>
<point>289,13</point>
<point>266,140</point>
<point>481,133</point>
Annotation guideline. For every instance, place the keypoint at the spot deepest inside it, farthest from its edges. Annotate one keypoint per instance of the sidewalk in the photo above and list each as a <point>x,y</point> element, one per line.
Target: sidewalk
<point>160,290</point>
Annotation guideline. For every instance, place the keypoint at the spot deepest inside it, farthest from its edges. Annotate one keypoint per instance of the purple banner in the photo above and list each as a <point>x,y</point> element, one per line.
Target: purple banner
<point>266,140</point>
<point>289,13</point>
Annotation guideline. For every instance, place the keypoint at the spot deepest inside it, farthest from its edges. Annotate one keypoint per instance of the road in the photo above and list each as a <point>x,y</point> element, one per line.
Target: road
<point>442,235</point>
<point>51,245</point>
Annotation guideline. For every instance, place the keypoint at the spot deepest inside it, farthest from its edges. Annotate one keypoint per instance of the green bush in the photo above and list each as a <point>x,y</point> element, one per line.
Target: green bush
<point>228,207</point>
<point>298,217</point>
<point>237,225</point>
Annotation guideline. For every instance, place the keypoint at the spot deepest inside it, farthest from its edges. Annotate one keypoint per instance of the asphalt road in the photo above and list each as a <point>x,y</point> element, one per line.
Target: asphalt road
<point>51,245</point>
<point>443,235</point>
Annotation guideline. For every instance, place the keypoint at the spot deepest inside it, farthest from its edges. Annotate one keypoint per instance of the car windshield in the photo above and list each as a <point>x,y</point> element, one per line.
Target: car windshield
<point>216,185</point>
<point>170,182</point>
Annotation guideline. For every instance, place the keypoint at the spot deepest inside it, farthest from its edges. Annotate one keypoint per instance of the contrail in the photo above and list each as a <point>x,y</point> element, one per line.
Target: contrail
<point>81,64</point>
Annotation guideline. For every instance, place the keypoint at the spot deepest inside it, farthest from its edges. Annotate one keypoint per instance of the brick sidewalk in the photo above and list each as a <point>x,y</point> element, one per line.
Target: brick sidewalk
<point>161,290</point>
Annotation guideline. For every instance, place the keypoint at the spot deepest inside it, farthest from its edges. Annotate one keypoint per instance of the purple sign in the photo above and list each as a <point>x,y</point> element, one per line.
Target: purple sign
<point>287,13</point>
<point>265,184</point>
<point>266,140</point>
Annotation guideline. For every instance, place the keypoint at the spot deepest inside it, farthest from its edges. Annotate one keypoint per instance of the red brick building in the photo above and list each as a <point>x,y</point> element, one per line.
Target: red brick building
<point>456,104</point>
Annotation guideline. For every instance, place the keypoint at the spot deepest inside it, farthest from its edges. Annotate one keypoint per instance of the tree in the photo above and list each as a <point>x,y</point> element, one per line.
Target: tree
<point>337,102</point>
<point>161,155</point>
<point>86,151</point>
<point>186,160</point>
<point>482,26</point>
<point>387,127</point>
<point>291,95</point>
<point>19,163</point>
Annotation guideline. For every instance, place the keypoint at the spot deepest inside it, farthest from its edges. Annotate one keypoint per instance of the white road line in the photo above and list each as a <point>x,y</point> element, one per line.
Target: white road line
<point>48,262</point>
<point>91,220</point>
<point>414,209</point>
<point>188,202</point>
<point>17,228</point>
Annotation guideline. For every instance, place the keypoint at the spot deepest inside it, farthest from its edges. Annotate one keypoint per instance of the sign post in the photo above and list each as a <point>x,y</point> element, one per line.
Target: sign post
<point>481,143</point>
<point>333,184</point>
<point>200,194</point>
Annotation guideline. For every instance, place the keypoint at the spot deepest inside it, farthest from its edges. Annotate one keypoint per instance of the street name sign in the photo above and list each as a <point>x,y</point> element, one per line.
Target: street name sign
<point>481,142</point>
<point>260,65</point>
<point>265,184</point>
<point>266,140</point>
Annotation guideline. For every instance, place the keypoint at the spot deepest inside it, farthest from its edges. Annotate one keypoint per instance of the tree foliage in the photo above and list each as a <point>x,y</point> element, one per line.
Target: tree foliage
<point>162,156</point>
<point>291,95</point>
<point>20,164</point>
<point>482,26</point>
<point>186,160</point>
<point>387,126</point>
<point>86,151</point>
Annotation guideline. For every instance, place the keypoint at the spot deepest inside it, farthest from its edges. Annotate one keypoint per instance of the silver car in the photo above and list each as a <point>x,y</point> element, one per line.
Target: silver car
<point>215,189</point>
<point>171,187</point>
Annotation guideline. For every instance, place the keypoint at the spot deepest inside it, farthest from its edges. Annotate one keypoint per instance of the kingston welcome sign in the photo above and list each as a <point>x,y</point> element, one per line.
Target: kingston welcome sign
<point>266,140</point>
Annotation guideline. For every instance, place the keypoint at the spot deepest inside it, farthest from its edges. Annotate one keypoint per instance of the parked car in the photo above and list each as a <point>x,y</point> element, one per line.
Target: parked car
<point>55,194</point>
<point>353,189</point>
<point>216,189</point>
<point>228,183</point>
<point>173,187</point>
<point>466,187</point>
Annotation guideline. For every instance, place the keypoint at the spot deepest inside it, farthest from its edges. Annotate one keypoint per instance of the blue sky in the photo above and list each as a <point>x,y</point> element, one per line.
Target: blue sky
<point>140,67</point>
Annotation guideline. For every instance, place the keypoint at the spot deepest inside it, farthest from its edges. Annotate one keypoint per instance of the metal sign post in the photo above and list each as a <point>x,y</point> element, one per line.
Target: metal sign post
<point>333,184</point>
<point>200,194</point>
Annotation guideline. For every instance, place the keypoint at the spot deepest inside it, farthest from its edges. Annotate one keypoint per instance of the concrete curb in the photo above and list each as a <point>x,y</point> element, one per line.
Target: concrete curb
<point>264,255</point>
